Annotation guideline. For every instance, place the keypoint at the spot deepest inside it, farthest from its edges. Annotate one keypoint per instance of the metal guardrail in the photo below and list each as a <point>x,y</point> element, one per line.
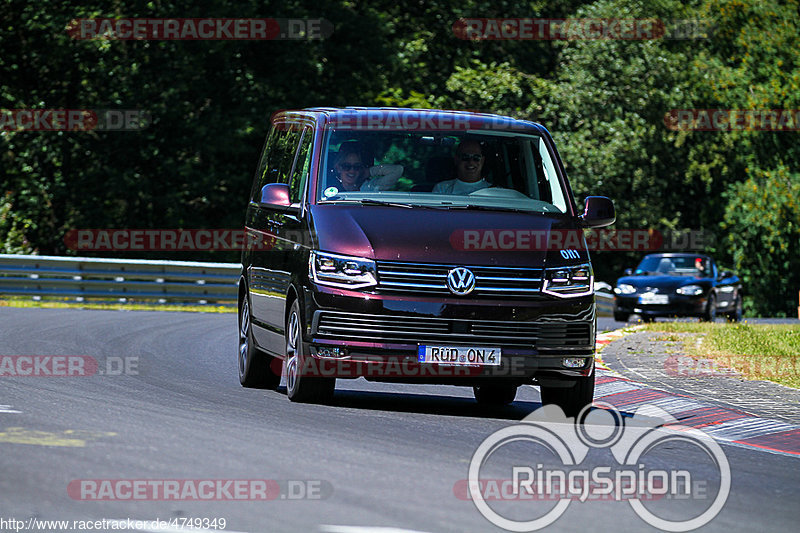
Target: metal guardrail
<point>118,279</point>
<point>137,280</point>
<point>605,303</point>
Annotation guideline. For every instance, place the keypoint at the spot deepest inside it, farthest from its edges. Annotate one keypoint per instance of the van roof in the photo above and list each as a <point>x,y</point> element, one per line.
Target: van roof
<point>398,116</point>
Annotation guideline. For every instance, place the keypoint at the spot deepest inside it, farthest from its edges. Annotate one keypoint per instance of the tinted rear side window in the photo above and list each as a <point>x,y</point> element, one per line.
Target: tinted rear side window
<point>278,157</point>
<point>302,167</point>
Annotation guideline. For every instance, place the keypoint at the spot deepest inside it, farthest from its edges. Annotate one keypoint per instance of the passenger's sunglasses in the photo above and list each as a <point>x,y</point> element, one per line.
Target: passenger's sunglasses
<point>470,157</point>
<point>347,167</point>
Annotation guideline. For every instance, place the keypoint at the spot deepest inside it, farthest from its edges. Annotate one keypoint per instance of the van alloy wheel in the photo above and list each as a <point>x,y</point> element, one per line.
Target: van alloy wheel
<point>254,365</point>
<point>300,386</point>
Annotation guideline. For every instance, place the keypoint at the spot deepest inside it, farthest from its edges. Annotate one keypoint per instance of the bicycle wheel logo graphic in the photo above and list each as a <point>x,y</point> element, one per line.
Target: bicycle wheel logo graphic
<point>629,441</point>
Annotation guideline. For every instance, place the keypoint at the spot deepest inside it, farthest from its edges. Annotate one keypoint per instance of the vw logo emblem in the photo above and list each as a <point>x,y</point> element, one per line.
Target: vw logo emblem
<point>460,281</point>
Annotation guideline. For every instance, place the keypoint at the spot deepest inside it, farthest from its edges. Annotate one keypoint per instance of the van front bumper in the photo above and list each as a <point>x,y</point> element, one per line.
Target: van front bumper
<point>378,336</point>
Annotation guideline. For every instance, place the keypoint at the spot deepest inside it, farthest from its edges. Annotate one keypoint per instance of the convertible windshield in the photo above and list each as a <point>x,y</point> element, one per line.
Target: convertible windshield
<point>675,266</point>
<point>478,170</point>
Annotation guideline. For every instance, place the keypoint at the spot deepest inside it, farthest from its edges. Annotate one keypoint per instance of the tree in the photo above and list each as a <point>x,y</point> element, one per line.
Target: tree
<point>762,230</point>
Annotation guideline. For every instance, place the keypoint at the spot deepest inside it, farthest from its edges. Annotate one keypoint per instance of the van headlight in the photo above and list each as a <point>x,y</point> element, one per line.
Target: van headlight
<point>690,290</point>
<point>625,288</point>
<point>568,282</point>
<point>341,271</point>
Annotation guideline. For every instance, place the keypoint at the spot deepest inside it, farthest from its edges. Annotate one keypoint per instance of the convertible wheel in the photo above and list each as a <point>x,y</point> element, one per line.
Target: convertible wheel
<point>254,365</point>
<point>711,309</point>
<point>736,314</point>
<point>299,387</point>
<point>572,399</point>
<point>495,394</point>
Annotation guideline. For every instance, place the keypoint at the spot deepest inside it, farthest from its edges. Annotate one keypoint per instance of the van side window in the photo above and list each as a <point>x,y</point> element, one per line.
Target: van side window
<point>278,158</point>
<point>302,167</point>
<point>287,149</point>
<point>262,172</point>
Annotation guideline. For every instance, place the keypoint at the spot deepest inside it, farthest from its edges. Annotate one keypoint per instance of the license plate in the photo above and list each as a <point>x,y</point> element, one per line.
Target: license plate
<point>650,298</point>
<point>459,355</point>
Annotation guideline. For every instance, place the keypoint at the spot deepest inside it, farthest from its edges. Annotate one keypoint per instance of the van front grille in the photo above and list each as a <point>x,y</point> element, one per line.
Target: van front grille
<point>490,281</point>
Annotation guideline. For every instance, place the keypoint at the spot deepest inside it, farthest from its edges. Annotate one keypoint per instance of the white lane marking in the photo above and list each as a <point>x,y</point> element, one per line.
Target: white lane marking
<point>746,428</point>
<point>614,387</point>
<point>364,529</point>
<point>122,524</point>
<point>676,405</point>
<point>8,409</point>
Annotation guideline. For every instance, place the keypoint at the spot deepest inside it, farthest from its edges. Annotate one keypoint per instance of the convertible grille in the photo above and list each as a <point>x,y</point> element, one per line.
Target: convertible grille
<point>490,281</point>
<point>413,330</point>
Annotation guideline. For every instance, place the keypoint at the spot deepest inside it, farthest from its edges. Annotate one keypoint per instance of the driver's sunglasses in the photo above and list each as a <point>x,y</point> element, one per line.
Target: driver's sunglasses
<point>470,157</point>
<point>347,167</point>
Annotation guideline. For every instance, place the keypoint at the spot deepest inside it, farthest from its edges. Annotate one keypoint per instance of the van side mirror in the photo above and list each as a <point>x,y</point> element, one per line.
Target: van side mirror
<point>629,272</point>
<point>598,211</point>
<point>275,195</point>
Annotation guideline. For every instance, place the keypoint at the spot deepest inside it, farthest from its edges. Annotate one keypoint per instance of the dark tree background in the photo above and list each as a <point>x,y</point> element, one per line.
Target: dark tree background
<point>604,101</point>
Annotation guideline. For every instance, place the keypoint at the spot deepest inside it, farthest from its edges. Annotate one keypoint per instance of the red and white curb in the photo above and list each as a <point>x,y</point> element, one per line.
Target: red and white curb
<point>723,424</point>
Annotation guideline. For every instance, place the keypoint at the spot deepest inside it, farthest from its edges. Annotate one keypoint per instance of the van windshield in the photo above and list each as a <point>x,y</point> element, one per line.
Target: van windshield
<point>491,170</point>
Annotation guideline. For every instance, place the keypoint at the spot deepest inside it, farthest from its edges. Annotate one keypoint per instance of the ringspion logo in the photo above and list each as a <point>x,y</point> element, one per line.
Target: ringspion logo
<point>634,473</point>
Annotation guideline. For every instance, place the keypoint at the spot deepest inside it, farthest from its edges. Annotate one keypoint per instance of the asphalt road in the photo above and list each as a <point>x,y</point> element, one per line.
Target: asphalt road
<point>381,455</point>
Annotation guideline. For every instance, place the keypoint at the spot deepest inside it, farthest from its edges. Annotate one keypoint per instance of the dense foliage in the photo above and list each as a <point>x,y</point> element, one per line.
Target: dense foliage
<point>604,100</point>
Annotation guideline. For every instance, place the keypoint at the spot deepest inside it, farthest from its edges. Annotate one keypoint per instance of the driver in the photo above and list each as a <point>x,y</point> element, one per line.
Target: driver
<point>469,161</point>
<point>352,174</point>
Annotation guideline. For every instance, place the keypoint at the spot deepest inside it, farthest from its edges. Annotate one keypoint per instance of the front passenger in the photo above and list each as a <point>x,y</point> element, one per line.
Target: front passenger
<point>469,161</point>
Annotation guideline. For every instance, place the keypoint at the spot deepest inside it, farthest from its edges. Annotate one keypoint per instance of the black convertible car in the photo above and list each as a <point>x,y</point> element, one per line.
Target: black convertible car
<point>669,285</point>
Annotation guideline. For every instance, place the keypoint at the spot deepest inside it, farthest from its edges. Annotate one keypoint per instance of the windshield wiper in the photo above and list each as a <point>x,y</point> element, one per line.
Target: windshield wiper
<point>485,208</point>
<point>369,201</point>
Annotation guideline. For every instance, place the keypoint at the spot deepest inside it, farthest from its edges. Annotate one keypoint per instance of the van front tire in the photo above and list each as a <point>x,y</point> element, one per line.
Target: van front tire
<point>571,399</point>
<point>301,387</point>
<point>495,394</point>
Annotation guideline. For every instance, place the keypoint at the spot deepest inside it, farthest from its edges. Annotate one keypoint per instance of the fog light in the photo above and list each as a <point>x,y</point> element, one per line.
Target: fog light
<point>330,352</point>
<point>574,362</point>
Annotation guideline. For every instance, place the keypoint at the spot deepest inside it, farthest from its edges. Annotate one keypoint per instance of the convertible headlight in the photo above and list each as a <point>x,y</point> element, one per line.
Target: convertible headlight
<point>690,290</point>
<point>624,288</point>
<point>568,282</point>
<point>342,270</point>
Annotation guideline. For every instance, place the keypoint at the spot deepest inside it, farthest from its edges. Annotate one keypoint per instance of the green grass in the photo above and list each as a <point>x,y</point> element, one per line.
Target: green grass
<point>67,304</point>
<point>756,351</point>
